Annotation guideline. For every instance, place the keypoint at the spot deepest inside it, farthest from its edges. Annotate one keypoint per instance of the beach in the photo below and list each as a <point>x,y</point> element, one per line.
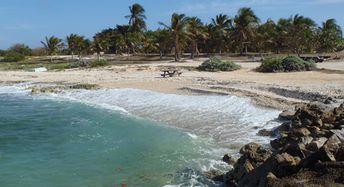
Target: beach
<point>276,90</point>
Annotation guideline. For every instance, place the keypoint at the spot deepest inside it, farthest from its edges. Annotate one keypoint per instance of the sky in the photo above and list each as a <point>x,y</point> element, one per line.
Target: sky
<point>29,21</point>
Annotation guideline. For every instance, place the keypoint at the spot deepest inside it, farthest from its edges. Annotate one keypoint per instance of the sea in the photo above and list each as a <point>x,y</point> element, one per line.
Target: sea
<point>122,137</point>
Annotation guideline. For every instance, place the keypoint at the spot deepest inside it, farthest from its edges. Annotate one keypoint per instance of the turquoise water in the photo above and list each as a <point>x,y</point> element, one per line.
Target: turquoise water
<point>62,143</point>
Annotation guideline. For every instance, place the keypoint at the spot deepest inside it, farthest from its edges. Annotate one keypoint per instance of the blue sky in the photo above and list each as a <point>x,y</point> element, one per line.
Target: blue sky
<point>29,21</point>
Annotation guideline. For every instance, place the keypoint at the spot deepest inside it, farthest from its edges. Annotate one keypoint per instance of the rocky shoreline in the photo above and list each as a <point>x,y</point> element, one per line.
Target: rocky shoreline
<point>308,151</point>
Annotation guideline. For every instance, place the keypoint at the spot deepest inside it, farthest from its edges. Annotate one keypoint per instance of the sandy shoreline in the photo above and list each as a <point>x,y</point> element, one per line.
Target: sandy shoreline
<point>280,90</point>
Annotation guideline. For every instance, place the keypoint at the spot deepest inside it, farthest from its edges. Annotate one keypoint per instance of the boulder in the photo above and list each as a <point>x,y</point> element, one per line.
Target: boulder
<point>265,132</point>
<point>339,134</point>
<point>301,132</point>
<point>250,148</point>
<point>285,159</point>
<point>228,159</point>
<point>214,175</point>
<point>340,153</point>
<point>326,155</point>
<point>286,115</point>
<point>316,144</point>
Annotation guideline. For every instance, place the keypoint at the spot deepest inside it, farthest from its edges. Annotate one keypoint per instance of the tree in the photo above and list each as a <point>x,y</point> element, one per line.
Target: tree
<point>99,46</point>
<point>21,49</point>
<point>137,18</point>
<point>245,24</point>
<point>76,44</point>
<point>219,28</point>
<point>301,34</point>
<point>330,37</point>
<point>178,29</point>
<point>197,32</point>
<point>52,45</point>
<point>265,37</point>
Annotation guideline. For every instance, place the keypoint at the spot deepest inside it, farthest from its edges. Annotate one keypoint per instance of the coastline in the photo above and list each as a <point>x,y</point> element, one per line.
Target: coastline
<point>281,91</point>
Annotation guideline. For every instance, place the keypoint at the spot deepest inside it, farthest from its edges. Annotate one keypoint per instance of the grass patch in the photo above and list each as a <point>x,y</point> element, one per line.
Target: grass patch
<point>89,64</point>
<point>287,64</point>
<point>214,64</point>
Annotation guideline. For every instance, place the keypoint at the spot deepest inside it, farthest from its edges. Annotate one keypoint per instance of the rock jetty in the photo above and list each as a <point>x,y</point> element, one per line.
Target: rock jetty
<point>308,151</point>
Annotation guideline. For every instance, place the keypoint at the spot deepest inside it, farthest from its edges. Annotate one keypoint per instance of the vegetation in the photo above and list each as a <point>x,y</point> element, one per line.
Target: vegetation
<point>240,33</point>
<point>215,64</point>
<point>13,56</point>
<point>287,64</point>
<point>52,46</point>
<point>89,64</point>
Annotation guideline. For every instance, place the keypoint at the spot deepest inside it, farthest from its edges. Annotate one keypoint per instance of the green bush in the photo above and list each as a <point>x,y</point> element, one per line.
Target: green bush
<point>99,63</point>
<point>13,57</point>
<point>287,64</point>
<point>214,64</point>
<point>89,64</point>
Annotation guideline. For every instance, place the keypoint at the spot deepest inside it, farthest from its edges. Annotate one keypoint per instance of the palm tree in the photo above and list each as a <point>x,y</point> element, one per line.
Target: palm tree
<point>75,44</point>
<point>52,45</point>
<point>331,36</point>
<point>178,29</point>
<point>245,24</point>
<point>137,18</point>
<point>220,27</point>
<point>282,39</point>
<point>99,46</point>
<point>196,32</point>
<point>301,33</point>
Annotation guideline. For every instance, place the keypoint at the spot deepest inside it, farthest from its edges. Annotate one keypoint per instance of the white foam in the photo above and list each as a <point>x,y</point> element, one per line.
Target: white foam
<point>226,119</point>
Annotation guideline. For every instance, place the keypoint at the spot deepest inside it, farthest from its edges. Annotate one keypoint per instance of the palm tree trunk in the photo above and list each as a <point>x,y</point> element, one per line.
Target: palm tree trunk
<point>176,46</point>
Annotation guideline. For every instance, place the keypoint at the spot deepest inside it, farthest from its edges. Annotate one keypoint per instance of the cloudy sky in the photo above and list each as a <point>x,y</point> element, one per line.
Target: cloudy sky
<point>29,21</point>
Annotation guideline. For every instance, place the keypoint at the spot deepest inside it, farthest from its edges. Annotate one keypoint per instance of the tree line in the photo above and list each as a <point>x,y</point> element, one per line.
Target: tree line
<point>241,34</point>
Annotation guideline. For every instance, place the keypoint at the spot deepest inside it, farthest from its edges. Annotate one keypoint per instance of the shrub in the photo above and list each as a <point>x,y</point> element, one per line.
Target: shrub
<point>89,64</point>
<point>287,64</point>
<point>98,63</point>
<point>215,64</point>
<point>13,57</point>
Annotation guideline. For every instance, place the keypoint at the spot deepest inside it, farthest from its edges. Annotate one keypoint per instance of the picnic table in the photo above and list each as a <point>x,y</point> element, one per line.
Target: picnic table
<point>170,73</point>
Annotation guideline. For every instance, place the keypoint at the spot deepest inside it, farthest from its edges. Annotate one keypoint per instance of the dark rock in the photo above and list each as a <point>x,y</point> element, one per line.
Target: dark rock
<point>286,115</point>
<point>214,175</point>
<point>249,148</point>
<point>340,153</point>
<point>316,144</point>
<point>326,155</point>
<point>301,132</point>
<point>265,132</point>
<point>228,159</point>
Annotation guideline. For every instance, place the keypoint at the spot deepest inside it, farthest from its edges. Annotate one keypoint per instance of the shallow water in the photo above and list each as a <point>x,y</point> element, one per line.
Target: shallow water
<point>112,137</point>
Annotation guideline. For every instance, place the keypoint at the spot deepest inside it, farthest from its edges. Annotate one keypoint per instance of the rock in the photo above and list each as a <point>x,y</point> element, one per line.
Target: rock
<point>301,132</point>
<point>270,179</point>
<point>316,144</point>
<point>286,115</point>
<point>306,140</point>
<point>285,127</point>
<point>340,134</point>
<point>84,86</point>
<point>265,132</point>
<point>328,126</point>
<point>340,153</point>
<point>329,100</point>
<point>228,159</point>
<point>333,143</point>
<point>214,175</point>
<point>250,148</point>
<point>317,122</point>
<point>326,155</point>
<point>286,160</point>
